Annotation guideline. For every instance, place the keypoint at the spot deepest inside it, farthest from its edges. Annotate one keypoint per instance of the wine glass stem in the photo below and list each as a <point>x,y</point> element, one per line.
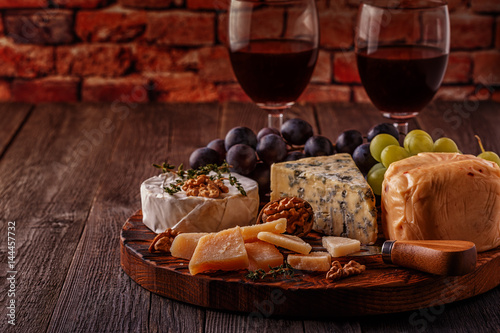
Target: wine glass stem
<point>275,120</point>
<point>402,127</point>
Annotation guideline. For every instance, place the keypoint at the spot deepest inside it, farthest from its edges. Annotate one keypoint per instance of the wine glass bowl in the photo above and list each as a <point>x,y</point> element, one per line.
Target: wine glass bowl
<point>402,50</point>
<point>273,48</point>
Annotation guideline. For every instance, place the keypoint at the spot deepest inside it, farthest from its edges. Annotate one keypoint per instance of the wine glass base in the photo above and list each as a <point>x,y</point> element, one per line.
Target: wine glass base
<point>275,113</point>
<point>400,120</point>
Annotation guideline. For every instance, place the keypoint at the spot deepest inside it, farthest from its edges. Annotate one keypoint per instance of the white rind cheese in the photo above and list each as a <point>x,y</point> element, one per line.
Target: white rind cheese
<point>161,210</point>
<point>342,200</point>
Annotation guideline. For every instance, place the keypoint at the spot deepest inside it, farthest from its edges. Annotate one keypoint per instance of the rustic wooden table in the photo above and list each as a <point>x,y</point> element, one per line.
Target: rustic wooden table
<point>70,177</point>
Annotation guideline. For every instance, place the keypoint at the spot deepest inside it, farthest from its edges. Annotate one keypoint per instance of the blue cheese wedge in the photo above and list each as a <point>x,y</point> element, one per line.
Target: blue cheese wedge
<point>342,200</point>
<point>183,213</point>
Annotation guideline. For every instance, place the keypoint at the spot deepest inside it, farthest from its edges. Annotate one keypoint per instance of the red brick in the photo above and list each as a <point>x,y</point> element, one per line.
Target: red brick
<point>485,6</point>
<point>149,3</point>
<point>98,59</point>
<point>130,89</point>
<point>204,4</point>
<point>460,93</point>
<point>222,28</point>
<point>178,27</point>
<point>326,93</point>
<point>215,65</point>
<point>88,4</point>
<point>48,89</point>
<point>345,68</point>
<point>232,93</point>
<point>496,96</point>
<point>470,31</point>
<point>5,93</point>
<point>110,25</point>
<point>360,95</point>
<point>487,67</point>
<point>497,34</point>
<point>25,61</point>
<point>183,87</point>
<point>152,58</point>
<point>457,4</point>
<point>23,4</point>
<point>323,70</point>
<point>48,26</point>
<point>1,26</point>
<point>459,68</point>
<point>336,29</point>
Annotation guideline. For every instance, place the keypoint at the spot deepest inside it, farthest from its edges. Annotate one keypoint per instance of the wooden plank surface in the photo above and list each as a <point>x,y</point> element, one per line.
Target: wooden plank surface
<point>70,203</point>
<point>12,117</point>
<point>49,176</point>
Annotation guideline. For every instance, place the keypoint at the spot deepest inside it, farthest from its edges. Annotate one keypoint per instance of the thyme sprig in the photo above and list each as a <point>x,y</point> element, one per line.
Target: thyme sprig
<point>194,173</point>
<point>284,269</point>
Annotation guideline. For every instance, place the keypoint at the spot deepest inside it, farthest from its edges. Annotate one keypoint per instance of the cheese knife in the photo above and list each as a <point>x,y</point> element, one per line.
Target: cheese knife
<point>441,257</point>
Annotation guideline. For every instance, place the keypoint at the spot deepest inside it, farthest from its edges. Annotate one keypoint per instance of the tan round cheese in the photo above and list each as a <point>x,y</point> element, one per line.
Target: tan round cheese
<point>442,196</point>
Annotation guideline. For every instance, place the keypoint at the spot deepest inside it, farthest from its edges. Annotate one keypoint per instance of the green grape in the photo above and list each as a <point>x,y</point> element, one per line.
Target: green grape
<point>375,180</point>
<point>487,155</point>
<point>374,168</point>
<point>445,145</point>
<point>490,156</point>
<point>392,154</point>
<point>418,143</point>
<point>379,142</point>
<point>417,132</point>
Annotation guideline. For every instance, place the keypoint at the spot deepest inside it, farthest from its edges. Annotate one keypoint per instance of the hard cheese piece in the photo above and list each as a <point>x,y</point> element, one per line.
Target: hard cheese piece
<point>161,210</point>
<point>224,250</point>
<point>262,255</point>
<point>442,196</point>
<point>340,246</point>
<point>184,244</point>
<point>314,261</point>
<point>342,201</point>
<point>249,233</point>
<point>289,242</point>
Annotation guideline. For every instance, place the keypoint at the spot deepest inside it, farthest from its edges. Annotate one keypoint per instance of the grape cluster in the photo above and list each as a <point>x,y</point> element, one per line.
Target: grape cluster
<point>252,155</point>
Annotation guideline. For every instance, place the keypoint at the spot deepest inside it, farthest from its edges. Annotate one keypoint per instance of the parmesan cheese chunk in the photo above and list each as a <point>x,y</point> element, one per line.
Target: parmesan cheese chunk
<point>289,242</point>
<point>224,250</point>
<point>184,244</point>
<point>249,233</point>
<point>340,246</point>
<point>262,255</point>
<point>314,261</point>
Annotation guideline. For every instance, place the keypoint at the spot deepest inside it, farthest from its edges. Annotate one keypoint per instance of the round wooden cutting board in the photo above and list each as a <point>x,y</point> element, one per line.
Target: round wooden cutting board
<point>380,289</point>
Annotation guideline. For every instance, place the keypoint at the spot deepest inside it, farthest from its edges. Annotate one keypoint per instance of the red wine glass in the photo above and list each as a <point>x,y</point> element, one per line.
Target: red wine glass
<point>273,47</point>
<point>402,50</point>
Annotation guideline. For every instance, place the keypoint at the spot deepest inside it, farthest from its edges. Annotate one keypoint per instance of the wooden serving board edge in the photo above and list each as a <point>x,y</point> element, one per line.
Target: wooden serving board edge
<point>381,289</point>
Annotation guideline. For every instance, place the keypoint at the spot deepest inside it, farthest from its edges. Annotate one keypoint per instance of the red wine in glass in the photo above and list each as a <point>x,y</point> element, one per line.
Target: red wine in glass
<point>274,70</point>
<point>402,79</point>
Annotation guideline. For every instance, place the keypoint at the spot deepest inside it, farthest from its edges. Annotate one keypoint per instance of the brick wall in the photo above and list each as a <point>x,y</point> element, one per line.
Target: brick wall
<point>173,50</point>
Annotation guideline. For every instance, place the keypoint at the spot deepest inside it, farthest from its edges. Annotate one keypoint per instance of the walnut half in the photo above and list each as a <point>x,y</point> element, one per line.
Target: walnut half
<point>298,213</point>
<point>338,272</point>
<point>163,241</point>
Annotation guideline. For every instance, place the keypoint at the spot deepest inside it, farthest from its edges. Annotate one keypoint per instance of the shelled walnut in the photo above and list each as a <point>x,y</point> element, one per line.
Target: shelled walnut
<point>298,213</point>
<point>203,186</point>
<point>338,272</point>
<point>163,241</point>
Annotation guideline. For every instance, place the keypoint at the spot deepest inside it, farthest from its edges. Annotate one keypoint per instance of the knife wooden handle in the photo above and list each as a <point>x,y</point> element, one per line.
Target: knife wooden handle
<point>441,257</point>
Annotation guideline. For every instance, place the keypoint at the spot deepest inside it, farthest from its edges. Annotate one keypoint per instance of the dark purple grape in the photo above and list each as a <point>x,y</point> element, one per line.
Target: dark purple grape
<point>242,135</point>
<point>294,156</point>
<point>387,128</point>
<point>267,130</point>
<point>363,158</point>
<point>348,141</point>
<point>271,149</point>
<point>296,131</point>
<point>203,156</point>
<point>241,158</point>
<point>262,175</point>
<point>218,146</point>
<point>318,146</point>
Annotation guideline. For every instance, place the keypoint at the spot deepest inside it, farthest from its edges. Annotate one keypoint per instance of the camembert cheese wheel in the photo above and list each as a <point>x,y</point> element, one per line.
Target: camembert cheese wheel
<point>442,196</point>
<point>161,210</point>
